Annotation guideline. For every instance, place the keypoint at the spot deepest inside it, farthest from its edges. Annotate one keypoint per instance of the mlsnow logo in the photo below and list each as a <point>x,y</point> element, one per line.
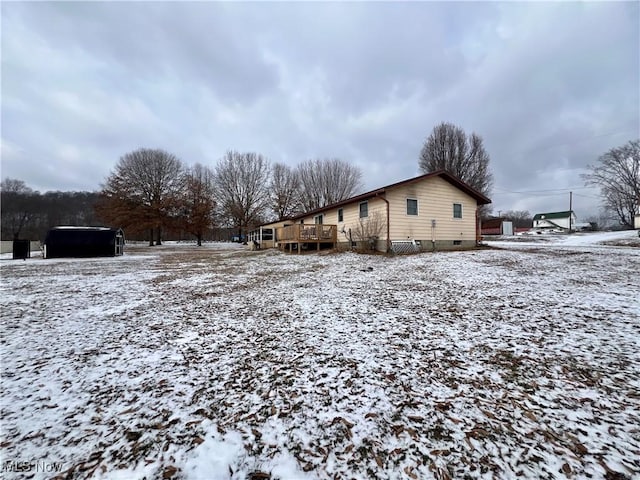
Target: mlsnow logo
<point>35,466</point>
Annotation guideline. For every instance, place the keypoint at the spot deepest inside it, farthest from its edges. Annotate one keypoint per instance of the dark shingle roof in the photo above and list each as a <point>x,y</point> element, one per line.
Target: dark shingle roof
<point>552,215</point>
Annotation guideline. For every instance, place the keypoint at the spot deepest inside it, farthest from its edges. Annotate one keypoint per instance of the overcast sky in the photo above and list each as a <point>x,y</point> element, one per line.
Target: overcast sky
<point>549,87</point>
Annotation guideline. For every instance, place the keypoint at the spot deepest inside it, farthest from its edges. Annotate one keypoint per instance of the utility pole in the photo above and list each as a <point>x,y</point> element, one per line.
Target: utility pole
<point>570,209</point>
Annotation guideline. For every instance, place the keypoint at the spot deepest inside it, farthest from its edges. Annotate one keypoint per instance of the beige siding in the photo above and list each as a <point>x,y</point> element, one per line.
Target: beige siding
<point>351,218</point>
<point>278,224</point>
<point>435,202</point>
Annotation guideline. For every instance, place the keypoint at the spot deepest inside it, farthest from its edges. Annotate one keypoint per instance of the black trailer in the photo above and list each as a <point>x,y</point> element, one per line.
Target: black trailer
<point>84,242</point>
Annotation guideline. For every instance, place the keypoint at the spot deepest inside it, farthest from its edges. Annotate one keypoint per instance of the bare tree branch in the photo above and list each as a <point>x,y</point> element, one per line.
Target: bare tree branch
<point>324,182</point>
<point>370,229</point>
<point>242,181</point>
<point>448,148</point>
<point>618,176</point>
<point>285,190</point>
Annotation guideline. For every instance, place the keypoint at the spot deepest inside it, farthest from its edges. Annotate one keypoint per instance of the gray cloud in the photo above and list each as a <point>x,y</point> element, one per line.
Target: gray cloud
<point>549,86</point>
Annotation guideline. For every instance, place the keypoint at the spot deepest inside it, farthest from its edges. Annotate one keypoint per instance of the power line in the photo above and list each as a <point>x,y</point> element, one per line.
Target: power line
<point>536,194</point>
<point>566,190</point>
<point>546,147</point>
<point>600,197</point>
<point>585,139</point>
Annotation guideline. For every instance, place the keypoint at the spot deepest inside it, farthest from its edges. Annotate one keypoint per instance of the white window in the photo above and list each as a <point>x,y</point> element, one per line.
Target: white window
<point>364,209</point>
<point>412,206</point>
<point>457,210</point>
<point>318,219</point>
<point>340,215</point>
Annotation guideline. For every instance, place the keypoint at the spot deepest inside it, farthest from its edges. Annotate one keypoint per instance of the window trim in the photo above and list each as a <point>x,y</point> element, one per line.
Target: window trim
<point>320,217</point>
<point>461,211</point>
<point>366,202</point>
<point>417,207</point>
<point>340,215</point>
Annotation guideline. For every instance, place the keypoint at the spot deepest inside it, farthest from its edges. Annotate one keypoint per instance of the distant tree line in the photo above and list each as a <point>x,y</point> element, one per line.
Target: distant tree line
<point>30,214</point>
<point>152,191</point>
<point>153,195</point>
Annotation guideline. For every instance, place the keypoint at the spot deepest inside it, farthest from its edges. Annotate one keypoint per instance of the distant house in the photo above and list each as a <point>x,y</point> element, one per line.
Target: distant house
<point>636,220</point>
<point>555,220</point>
<point>429,212</point>
<point>83,242</point>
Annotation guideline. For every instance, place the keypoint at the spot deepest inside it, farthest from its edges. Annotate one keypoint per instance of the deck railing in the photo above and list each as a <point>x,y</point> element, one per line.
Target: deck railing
<point>300,233</point>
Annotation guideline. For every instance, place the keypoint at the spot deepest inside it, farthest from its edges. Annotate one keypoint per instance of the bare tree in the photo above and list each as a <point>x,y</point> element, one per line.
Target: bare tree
<point>369,230</point>
<point>324,182</point>
<point>143,191</point>
<point>618,176</point>
<point>13,185</point>
<point>285,191</point>
<point>449,148</point>
<point>603,219</point>
<point>17,207</point>
<point>198,201</point>
<point>242,187</point>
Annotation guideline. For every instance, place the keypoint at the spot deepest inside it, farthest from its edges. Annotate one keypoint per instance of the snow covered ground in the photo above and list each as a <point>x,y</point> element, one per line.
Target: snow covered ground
<point>626,238</point>
<point>179,362</point>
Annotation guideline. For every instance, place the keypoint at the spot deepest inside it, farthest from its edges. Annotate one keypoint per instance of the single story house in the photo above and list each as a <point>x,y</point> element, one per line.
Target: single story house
<point>430,212</point>
<point>555,220</point>
<point>83,242</point>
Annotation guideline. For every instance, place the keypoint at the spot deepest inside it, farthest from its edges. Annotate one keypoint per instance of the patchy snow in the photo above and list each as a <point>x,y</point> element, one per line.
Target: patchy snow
<point>624,238</point>
<point>596,238</point>
<point>213,363</point>
<point>32,254</point>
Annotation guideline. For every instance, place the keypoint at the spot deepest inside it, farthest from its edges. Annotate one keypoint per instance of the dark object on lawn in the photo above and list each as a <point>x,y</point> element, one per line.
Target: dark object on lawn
<point>21,249</point>
<point>84,242</point>
<point>259,476</point>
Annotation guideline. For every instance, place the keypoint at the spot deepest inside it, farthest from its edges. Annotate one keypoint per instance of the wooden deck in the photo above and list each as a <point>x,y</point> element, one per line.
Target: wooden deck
<point>304,236</point>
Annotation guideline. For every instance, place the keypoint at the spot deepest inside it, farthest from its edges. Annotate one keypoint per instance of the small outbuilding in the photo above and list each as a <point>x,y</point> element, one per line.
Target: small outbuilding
<point>497,226</point>
<point>83,242</point>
